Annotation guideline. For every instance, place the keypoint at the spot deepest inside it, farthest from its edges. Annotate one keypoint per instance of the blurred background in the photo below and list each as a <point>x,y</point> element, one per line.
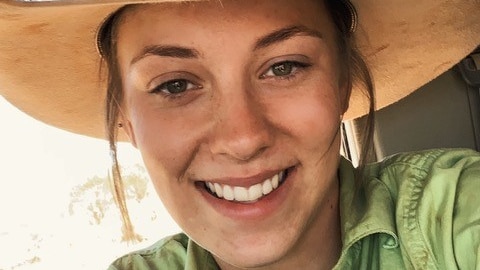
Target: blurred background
<point>56,208</point>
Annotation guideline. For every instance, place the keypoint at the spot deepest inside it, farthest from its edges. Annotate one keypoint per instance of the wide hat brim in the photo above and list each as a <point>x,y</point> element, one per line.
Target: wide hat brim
<point>49,64</point>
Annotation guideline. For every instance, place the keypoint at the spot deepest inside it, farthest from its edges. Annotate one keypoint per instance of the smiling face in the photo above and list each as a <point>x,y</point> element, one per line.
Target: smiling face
<point>236,109</point>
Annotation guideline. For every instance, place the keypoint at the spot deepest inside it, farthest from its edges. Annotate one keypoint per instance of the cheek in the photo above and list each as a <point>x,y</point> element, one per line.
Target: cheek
<point>312,117</point>
<point>166,139</point>
<point>167,143</point>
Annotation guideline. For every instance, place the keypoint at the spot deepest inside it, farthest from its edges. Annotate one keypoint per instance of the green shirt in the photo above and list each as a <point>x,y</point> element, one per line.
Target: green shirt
<point>413,211</point>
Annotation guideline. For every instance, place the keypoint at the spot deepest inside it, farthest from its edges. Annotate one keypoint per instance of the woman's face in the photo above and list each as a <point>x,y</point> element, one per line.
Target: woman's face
<point>235,107</point>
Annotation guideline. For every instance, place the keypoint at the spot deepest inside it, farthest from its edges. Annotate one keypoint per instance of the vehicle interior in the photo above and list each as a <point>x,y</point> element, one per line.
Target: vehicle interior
<point>445,113</point>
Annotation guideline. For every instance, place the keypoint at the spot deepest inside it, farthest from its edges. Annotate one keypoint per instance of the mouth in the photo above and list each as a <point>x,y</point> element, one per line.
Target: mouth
<point>248,194</point>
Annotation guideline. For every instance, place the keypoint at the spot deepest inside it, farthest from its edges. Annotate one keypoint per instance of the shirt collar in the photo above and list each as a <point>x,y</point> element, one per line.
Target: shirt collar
<point>365,209</point>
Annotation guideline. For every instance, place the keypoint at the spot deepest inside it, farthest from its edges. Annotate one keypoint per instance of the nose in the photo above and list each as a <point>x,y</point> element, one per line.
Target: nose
<point>241,131</point>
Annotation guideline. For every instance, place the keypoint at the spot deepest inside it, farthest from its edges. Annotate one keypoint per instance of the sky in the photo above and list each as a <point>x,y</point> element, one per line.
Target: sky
<point>39,167</point>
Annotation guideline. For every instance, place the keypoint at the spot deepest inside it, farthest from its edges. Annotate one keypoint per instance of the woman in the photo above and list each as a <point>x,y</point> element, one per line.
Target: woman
<point>236,108</point>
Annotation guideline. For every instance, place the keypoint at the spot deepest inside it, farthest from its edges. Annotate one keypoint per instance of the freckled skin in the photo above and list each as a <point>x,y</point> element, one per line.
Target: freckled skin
<point>236,123</point>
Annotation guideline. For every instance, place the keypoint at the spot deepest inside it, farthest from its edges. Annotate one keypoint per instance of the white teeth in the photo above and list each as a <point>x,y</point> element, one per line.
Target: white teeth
<point>275,181</point>
<point>218,190</point>
<point>267,187</point>
<point>255,192</point>
<point>246,194</point>
<point>241,194</point>
<point>211,187</point>
<point>228,193</point>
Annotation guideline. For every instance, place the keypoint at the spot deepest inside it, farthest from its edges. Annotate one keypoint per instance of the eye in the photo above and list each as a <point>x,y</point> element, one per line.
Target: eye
<point>174,87</point>
<point>284,69</point>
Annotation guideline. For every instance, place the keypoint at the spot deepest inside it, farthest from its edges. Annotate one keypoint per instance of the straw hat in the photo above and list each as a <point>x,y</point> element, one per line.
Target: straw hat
<point>49,65</point>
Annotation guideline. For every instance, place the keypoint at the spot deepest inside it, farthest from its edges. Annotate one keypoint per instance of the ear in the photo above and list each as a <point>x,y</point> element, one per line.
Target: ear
<point>126,126</point>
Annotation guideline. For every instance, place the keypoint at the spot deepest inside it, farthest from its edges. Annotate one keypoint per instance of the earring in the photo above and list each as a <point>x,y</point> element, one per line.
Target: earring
<point>353,16</point>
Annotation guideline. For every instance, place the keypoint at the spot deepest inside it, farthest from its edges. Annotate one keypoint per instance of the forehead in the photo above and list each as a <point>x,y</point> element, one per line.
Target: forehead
<point>205,24</point>
<point>187,22</point>
<point>228,13</point>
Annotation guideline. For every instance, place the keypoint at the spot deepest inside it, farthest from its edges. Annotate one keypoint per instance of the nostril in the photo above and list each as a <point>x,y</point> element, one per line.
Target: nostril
<point>246,156</point>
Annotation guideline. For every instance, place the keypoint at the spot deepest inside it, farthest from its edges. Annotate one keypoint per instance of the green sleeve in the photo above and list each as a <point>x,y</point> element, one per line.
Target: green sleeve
<point>466,215</point>
<point>437,195</point>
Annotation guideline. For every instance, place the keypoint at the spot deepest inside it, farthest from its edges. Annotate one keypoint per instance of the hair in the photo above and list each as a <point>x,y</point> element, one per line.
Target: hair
<point>107,44</point>
<point>353,71</point>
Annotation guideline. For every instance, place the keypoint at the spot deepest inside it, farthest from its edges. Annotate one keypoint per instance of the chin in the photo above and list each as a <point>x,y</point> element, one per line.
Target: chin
<point>253,251</point>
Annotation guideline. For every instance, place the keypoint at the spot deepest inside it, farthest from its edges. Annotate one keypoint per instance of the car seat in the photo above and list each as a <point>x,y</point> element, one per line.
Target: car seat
<point>444,113</point>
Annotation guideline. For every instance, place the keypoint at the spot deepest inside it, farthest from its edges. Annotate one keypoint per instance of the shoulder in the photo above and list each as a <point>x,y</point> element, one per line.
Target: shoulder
<point>439,170</point>
<point>437,202</point>
<point>168,253</point>
<point>174,252</point>
<point>423,164</point>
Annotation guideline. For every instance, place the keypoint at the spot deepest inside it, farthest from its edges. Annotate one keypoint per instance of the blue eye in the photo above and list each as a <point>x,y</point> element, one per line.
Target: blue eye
<point>174,87</point>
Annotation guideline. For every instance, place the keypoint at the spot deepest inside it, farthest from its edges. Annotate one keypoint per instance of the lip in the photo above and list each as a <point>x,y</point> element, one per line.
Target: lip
<point>252,211</point>
<point>245,181</point>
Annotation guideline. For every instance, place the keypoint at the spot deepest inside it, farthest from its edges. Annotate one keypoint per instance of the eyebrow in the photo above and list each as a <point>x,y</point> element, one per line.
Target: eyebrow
<point>166,51</point>
<point>284,34</point>
<point>263,42</point>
